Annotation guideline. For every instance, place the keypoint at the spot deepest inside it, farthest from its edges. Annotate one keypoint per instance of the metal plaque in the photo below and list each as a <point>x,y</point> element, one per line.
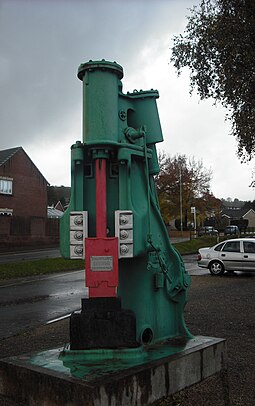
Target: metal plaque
<point>101,263</point>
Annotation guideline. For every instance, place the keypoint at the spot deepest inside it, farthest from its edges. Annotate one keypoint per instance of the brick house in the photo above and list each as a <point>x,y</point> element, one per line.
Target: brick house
<point>23,203</point>
<point>23,189</point>
<point>238,215</point>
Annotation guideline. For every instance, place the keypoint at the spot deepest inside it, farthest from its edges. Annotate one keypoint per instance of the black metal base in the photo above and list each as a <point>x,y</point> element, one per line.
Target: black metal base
<point>102,323</point>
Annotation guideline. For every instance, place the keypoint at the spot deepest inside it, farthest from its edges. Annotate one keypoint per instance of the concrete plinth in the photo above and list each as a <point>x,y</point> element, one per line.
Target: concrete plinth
<point>51,379</point>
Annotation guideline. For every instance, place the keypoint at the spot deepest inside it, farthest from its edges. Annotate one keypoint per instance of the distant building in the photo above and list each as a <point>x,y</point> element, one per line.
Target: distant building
<point>237,216</point>
<point>59,206</point>
<point>23,189</point>
<point>54,213</point>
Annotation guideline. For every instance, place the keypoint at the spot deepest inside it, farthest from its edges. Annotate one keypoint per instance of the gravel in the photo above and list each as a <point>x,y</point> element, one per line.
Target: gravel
<point>224,307</point>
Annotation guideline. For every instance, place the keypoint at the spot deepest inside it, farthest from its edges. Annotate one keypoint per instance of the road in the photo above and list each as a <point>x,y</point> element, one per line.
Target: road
<point>191,266</point>
<point>28,255</point>
<point>28,302</point>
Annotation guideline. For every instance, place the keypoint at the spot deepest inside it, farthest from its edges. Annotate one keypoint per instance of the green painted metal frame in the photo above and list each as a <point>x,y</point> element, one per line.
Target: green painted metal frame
<point>124,129</point>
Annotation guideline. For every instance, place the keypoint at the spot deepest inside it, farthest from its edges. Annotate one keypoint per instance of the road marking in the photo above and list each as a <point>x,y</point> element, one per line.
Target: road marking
<point>60,318</point>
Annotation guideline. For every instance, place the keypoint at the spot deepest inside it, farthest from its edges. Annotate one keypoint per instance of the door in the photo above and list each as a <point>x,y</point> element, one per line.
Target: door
<point>232,256</point>
<point>249,256</point>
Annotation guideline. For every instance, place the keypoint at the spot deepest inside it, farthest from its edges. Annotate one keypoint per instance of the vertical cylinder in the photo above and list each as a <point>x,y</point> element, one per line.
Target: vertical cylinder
<point>100,100</point>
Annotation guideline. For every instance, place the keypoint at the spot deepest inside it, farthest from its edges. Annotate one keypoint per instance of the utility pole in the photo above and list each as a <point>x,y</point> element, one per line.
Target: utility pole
<point>180,172</point>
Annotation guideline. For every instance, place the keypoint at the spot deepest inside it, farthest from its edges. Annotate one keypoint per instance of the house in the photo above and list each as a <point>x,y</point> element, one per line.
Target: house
<point>59,206</point>
<point>23,189</point>
<point>54,213</point>
<point>240,216</point>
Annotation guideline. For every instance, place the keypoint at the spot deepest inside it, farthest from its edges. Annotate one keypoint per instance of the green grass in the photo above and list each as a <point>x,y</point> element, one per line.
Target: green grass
<point>48,266</point>
<point>192,246</point>
<point>39,267</point>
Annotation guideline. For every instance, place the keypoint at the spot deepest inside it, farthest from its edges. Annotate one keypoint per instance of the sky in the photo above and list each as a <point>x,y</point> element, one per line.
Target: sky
<point>42,43</point>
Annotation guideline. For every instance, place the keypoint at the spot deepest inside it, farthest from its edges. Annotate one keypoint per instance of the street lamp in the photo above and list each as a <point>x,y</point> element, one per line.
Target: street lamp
<point>180,174</point>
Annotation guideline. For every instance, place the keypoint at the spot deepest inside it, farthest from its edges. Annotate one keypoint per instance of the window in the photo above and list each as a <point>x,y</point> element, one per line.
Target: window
<point>218,248</point>
<point>249,247</point>
<point>6,212</point>
<point>233,246</point>
<point>6,186</point>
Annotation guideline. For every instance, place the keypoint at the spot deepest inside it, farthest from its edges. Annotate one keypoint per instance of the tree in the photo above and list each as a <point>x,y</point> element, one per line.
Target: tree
<point>180,184</point>
<point>218,46</point>
<point>209,210</point>
<point>58,193</point>
<point>249,205</point>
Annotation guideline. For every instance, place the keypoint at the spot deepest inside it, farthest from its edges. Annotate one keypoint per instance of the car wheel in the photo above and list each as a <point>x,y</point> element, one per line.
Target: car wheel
<point>216,268</point>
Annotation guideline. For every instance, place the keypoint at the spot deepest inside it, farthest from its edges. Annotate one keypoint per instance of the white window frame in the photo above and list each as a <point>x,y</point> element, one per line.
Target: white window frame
<point>6,186</point>
<point>6,212</point>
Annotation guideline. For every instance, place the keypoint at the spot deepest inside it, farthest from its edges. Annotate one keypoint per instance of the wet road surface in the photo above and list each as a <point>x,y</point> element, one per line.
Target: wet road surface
<point>191,266</point>
<point>28,302</point>
<point>28,255</point>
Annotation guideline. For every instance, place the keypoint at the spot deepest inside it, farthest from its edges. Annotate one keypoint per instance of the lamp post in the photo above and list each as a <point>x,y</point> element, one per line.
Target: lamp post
<point>180,178</point>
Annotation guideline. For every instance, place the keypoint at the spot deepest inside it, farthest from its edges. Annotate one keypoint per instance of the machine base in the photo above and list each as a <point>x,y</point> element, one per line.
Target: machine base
<point>102,323</point>
<point>58,377</point>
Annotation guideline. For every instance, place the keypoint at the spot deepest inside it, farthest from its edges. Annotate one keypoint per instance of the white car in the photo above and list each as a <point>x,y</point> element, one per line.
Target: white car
<point>231,255</point>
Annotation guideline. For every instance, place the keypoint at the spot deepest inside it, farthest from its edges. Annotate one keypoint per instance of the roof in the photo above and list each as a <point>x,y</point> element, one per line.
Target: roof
<point>54,213</point>
<point>236,213</point>
<point>59,206</point>
<point>6,154</point>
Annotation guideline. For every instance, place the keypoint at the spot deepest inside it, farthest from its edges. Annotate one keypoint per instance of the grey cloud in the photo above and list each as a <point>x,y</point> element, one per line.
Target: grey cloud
<point>43,42</point>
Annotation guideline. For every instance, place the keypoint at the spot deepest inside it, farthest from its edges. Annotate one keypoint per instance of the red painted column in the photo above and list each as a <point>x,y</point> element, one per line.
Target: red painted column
<point>101,253</point>
<point>101,198</point>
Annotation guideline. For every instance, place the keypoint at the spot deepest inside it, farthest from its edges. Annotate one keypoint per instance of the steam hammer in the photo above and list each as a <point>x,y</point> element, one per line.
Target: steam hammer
<point>136,279</point>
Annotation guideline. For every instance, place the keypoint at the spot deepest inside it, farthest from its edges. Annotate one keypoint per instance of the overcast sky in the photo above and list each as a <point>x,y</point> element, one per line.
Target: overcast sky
<point>42,43</point>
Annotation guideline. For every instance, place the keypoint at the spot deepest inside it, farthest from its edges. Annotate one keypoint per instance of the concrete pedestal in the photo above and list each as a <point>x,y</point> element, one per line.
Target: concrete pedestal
<point>53,379</point>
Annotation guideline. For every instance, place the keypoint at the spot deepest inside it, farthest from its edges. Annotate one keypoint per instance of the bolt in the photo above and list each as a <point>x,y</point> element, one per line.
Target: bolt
<point>122,115</point>
<point>124,249</point>
<point>78,249</point>
<point>123,234</point>
<point>78,220</point>
<point>123,219</point>
<point>78,235</point>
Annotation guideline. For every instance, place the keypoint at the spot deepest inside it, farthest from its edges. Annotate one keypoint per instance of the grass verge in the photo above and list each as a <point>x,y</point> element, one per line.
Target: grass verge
<point>49,266</point>
<point>39,267</point>
<point>192,246</point>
